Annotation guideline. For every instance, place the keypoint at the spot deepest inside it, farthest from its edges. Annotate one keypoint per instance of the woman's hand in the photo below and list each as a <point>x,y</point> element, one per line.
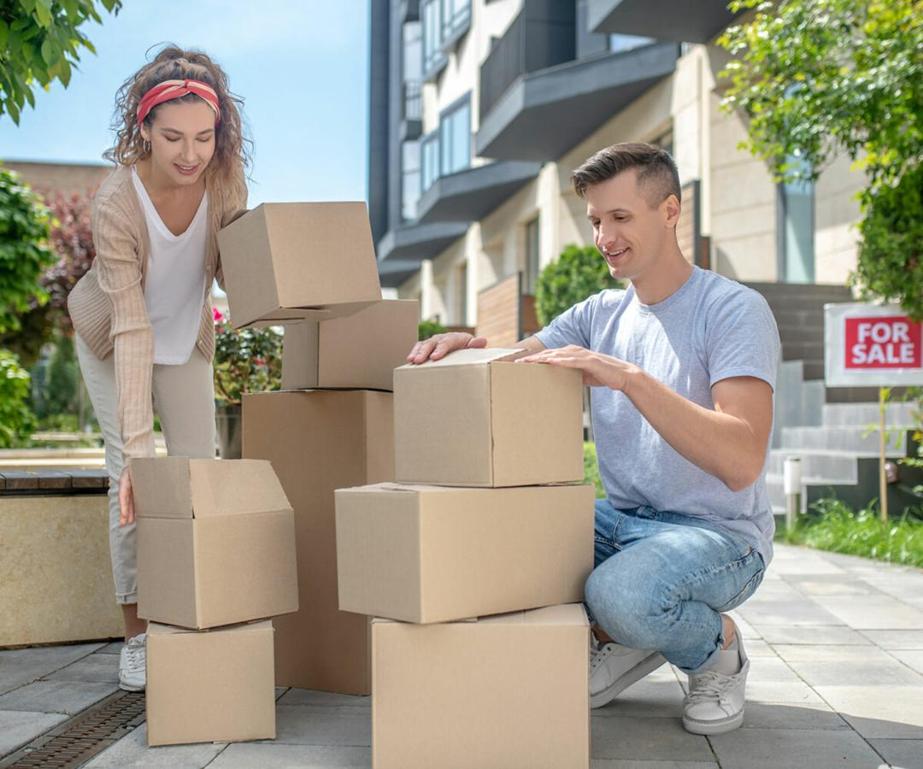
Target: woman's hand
<point>126,500</point>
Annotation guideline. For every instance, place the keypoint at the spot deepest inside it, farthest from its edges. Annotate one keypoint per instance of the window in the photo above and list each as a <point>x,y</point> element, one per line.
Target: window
<point>619,43</point>
<point>429,161</point>
<point>456,18</point>
<point>455,137</point>
<point>413,51</point>
<point>796,225</point>
<point>530,278</point>
<point>433,56</point>
<point>410,179</point>
<point>463,294</point>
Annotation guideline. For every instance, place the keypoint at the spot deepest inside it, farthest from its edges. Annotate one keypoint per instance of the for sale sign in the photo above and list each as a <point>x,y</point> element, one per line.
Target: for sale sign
<point>871,345</point>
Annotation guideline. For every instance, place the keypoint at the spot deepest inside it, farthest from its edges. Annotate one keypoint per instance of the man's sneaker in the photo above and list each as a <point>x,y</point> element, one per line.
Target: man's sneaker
<point>132,664</point>
<point>715,703</point>
<point>613,668</point>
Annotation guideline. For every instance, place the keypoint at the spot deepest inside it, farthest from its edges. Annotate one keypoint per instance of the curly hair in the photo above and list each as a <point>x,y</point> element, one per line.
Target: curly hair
<point>225,172</point>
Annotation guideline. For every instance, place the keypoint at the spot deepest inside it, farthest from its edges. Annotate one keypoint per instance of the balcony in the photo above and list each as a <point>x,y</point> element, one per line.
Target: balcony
<point>678,20</point>
<point>469,195</point>
<point>543,114</point>
<point>402,249</point>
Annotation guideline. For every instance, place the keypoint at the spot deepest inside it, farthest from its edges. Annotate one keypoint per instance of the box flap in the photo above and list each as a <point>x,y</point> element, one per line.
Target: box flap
<point>161,487</point>
<point>405,487</point>
<point>468,357</point>
<point>157,628</point>
<point>562,614</point>
<point>231,487</point>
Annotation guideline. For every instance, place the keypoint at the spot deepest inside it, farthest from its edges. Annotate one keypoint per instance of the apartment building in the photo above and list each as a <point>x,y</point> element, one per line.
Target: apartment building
<point>480,109</point>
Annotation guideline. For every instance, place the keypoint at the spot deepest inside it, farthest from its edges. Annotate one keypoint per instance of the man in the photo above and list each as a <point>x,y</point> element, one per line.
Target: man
<point>682,364</point>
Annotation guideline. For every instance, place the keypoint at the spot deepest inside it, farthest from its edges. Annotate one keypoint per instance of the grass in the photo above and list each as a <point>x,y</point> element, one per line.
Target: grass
<point>591,468</point>
<point>839,529</point>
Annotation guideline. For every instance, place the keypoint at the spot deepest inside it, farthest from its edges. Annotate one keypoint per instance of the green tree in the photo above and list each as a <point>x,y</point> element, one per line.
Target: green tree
<point>16,420</point>
<point>40,42</point>
<point>819,78</point>
<point>24,250</point>
<point>579,272</point>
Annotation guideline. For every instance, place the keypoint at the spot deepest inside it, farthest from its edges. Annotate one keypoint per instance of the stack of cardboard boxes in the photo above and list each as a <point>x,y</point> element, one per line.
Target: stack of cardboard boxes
<point>215,553</point>
<point>473,565</point>
<point>312,267</point>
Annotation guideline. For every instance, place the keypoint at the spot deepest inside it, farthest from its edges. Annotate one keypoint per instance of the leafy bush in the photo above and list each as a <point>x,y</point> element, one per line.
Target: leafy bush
<point>16,419</point>
<point>840,530</point>
<point>591,468</point>
<point>246,361</point>
<point>579,272</point>
<point>24,249</point>
<point>428,328</point>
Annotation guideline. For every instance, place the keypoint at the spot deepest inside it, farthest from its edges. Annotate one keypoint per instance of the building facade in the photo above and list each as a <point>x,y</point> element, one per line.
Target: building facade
<point>480,109</point>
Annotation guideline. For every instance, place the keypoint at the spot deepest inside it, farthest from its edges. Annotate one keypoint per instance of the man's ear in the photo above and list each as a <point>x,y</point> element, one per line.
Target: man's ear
<point>671,209</point>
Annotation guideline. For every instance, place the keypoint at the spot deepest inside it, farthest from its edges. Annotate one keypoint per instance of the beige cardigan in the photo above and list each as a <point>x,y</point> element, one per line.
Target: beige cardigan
<point>107,304</point>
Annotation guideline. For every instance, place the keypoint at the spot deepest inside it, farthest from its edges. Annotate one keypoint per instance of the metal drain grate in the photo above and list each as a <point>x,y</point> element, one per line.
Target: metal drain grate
<point>76,741</point>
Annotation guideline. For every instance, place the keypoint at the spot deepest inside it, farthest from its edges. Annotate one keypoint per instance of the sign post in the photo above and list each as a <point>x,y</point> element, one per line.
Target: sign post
<point>872,345</point>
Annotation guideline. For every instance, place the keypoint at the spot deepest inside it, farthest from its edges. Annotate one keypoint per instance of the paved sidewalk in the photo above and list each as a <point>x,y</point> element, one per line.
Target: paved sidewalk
<point>836,681</point>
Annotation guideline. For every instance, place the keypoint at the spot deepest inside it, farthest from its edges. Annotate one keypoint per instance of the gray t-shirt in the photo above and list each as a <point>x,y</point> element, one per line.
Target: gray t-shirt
<point>710,329</point>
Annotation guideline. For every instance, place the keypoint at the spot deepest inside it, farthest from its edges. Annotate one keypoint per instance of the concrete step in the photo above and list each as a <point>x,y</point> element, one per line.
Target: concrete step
<point>806,350</point>
<point>801,332</point>
<point>863,414</point>
<point>776,490</point>
<point>831,291</point>
<point>846,439</point>
<point>832,465</point>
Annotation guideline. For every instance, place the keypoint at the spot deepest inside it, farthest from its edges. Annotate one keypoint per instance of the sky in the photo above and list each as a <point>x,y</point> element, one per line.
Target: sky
<point>301,67</point>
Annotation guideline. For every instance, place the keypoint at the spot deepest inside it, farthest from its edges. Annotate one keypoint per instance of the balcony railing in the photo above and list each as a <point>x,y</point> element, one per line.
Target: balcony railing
<point>550,42</point>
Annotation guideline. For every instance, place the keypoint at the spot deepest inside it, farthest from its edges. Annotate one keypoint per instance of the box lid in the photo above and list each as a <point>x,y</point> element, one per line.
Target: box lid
<point>468,357</point>
<point>156,628</point>
<point>562,614</point>
<point>180,487</point>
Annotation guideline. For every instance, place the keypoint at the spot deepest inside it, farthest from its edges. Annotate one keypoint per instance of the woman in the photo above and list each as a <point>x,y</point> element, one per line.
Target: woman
<point>143,316</point>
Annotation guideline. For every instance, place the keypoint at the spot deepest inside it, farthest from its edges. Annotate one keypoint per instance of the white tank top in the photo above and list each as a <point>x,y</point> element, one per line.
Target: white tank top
<point>174,289</point>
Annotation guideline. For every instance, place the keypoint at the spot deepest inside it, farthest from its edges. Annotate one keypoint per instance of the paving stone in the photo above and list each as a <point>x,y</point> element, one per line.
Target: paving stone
<point>660,697</point>
<point>827,652</point>
<point>324,699</point>
<point>308,725</point>
<point>879,711</point>
<point>774,748</point>
<point>852,673</point>
<point>646,739</point>
<point>132,752</point>
<point>795,692</point>
<point>18,727</point>
<point>56,696</point>
<point>781,715</point>
<point>98,668</point>
<point>802,562</point>
<point>22,666</point>
<point>779,634</point>
<point>112,648</point>
<point>617,763</point>
<point>247,755</point>
<point>802,611</point>
<point>906,754</point>
<point>771,670</point>
<point>875,613</point>
<point>758,648</point>
<point>912,659</point>
<point>824,585</point>
<point>746,630</point>
<point>896,639</point>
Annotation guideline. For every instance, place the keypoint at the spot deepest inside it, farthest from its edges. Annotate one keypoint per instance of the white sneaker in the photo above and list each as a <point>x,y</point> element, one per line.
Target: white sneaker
<point>715,703</point>
<point>613,668</point>
<point>132,664</point>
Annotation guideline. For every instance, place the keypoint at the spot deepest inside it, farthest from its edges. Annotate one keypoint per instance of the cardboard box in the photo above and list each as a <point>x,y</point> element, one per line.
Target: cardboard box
<point>477,419</point>
<point>436,553</point>
<point>285,261</point>
<point>212,686</point>
<point>215,542</point>
<point>358,351</point>
<point>508,691</point>
<point>319,441</point>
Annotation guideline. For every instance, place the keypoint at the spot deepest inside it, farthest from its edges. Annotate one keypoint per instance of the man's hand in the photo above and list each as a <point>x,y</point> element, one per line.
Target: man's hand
<point>440,345</point>
<point>126,500</point>
<point>598,370</point>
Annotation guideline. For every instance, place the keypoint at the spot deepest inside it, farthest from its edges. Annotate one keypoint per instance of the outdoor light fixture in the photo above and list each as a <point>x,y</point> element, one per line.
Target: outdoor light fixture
<point>791,483</point>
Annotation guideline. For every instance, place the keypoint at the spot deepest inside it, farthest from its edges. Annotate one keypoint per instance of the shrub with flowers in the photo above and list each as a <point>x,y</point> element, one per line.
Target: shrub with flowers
<point>246,361</point>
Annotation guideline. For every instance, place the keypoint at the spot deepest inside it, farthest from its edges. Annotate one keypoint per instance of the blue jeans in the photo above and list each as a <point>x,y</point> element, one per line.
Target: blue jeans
<point>661,580</point>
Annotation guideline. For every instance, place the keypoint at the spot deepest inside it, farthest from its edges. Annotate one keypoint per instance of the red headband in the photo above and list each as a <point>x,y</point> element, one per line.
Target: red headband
<point>175,89</point>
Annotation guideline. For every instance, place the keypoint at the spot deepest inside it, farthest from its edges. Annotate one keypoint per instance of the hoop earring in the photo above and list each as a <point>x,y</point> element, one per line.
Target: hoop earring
<point>146,146</point>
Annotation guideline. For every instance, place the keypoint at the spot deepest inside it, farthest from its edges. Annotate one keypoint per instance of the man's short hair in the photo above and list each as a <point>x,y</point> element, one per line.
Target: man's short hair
<point>657,174</point>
